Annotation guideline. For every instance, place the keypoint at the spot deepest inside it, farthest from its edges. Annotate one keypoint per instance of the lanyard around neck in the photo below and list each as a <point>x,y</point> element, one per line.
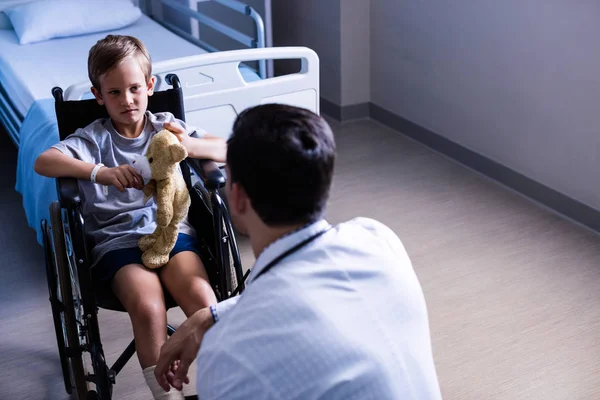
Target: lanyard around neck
<point>290,251</point>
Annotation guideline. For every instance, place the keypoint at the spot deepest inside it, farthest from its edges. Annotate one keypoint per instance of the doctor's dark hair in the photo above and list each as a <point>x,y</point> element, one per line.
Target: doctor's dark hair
<point>283,157</point>
<point>111,51</point>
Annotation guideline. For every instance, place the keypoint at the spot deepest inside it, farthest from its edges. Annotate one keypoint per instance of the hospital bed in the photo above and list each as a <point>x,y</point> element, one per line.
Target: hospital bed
<point>64,60</point>
<point>217,85</point>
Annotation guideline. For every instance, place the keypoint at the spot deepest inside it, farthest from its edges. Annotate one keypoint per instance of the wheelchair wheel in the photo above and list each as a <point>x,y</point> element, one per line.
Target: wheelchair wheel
<point>56,304</point>
<point>228,279</point>
<point>92,395</point>
<point>229,260</point>
<point>234,277</point>
<point>67,282</point>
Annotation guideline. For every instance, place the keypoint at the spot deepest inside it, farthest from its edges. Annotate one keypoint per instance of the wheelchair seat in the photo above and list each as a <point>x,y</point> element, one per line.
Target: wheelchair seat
<point>74,298</point>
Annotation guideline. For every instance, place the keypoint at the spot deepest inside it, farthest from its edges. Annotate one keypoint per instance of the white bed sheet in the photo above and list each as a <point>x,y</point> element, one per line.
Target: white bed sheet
<point>29,72</point>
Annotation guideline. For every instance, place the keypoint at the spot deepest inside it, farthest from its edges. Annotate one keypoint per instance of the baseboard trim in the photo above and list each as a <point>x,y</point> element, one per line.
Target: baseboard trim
<point>558,202</point>
<point>331,109</point>
<point>345,113</point>
<point>355,111</point>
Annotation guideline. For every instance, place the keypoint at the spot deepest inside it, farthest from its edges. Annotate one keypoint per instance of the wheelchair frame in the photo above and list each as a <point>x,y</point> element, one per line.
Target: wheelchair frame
<point>74,299</point>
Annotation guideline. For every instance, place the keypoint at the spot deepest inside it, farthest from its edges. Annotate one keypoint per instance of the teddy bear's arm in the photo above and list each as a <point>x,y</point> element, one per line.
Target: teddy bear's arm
<point>165,194</point>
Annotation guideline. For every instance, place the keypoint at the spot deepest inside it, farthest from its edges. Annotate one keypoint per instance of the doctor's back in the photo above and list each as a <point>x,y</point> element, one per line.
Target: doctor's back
<point>343,317</point>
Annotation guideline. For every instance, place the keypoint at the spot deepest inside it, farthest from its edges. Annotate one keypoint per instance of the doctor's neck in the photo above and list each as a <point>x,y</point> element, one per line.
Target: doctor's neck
<point>261,235</point>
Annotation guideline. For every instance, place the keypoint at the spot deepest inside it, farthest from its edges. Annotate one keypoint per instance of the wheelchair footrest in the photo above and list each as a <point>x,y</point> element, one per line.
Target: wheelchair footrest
<point>94,378</point>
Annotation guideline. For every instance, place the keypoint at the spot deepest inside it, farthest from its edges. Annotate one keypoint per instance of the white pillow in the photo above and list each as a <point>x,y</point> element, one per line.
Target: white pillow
<point>4,21</point>
<point>42,20</point>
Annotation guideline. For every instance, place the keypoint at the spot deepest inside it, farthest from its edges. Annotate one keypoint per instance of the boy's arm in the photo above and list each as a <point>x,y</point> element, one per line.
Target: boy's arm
<point>207,147</point>
<point>54,164</point>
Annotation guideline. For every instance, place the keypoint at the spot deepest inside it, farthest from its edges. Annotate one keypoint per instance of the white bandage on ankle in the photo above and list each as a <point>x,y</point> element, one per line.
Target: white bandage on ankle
<point>157,392</point>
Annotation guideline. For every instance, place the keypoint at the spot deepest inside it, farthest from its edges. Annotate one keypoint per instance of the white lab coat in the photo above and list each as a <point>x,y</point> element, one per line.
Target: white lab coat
<point>342,318</point>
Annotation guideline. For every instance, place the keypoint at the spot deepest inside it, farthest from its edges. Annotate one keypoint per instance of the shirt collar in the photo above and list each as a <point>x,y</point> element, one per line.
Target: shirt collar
<point>284,243</point>
<point>139,141</point>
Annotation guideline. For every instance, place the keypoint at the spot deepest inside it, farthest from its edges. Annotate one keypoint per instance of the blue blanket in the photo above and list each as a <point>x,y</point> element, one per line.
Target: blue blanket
<point>38,132</point>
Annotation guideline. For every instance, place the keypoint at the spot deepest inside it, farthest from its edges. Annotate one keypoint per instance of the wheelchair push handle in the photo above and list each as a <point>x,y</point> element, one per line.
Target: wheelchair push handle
<point>57,93</point>
<point>173,80</point>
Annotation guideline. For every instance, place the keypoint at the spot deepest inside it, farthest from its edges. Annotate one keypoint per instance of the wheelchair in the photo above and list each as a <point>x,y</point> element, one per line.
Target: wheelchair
<point>74,299</point>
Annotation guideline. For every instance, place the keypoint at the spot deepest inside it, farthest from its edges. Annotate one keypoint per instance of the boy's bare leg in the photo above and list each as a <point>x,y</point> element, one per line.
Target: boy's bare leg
<point>140,292</point>
<point>187,281</point>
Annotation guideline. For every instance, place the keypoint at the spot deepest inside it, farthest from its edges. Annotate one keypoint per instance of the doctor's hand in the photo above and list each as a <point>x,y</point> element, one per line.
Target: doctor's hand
<point>178,353</point>
<point>121,177</point>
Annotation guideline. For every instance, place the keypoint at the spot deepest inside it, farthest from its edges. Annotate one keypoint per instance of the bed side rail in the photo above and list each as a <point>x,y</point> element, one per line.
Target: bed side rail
<point>215,91</point>
<point>154,9</point>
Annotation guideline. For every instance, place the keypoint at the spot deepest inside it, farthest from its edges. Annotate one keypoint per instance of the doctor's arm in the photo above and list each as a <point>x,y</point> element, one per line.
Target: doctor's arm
<point>184,344</point>
<point>224,375</point>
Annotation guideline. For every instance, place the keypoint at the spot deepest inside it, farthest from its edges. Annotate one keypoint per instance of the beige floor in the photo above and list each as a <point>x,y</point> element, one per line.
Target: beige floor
<point>513,290</point>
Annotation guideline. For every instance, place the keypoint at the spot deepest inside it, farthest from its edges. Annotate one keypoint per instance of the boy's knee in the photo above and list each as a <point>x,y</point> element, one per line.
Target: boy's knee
<point>199,283</point>
<point>147,309</point>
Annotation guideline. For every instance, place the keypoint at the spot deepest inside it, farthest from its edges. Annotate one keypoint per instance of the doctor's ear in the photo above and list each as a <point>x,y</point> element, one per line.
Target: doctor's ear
<point>97,95</point>
<point>238,199</point>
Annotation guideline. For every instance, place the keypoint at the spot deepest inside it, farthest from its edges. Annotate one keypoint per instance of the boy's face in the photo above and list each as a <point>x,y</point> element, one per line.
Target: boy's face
<point>124,92</point>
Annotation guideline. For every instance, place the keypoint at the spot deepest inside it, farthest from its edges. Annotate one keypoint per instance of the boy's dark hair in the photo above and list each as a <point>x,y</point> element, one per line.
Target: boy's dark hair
<point>111,51</point>
<point>283,157</point>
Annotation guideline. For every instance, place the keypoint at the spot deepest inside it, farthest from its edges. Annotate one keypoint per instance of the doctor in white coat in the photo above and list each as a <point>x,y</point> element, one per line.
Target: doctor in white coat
<point>329,312</point>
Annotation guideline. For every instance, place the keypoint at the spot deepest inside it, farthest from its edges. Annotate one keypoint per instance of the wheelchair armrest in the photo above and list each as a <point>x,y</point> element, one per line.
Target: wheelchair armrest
<point>68,192</point>
<point>209,172</point>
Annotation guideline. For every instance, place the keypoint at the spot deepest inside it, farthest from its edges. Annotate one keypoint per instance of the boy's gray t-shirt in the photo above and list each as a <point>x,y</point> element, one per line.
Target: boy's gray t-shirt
<point>117,220</point>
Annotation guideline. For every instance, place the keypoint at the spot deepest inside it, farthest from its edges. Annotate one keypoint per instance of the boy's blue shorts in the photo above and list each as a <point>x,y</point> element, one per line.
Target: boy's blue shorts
<point>106,268</point>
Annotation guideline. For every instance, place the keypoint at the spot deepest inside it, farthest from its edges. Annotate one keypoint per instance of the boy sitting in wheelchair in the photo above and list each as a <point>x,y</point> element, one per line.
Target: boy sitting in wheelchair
<point>100,155</point>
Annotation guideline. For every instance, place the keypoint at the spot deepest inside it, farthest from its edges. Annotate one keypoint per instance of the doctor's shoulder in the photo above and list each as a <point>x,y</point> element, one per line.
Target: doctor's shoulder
<point>378,230</point>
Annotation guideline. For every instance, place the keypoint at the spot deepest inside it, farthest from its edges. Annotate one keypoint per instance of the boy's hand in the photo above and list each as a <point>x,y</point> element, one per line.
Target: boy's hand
<point>208,147</point>
<point>122,177</point>
<point>177,130</point>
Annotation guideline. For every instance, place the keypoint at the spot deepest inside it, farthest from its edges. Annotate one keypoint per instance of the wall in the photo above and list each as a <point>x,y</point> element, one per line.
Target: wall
<point>314,24</point>
<point>355,53</point>
<point>510,88</point>
<point>517,82</point>
<point>339,31</point>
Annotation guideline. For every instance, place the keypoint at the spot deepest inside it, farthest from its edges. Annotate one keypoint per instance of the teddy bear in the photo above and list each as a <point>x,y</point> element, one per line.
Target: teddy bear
<point>159,169</point>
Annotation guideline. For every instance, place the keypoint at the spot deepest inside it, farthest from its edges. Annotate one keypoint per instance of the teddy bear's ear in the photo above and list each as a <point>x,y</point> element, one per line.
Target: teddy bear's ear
<point>178,152</point>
